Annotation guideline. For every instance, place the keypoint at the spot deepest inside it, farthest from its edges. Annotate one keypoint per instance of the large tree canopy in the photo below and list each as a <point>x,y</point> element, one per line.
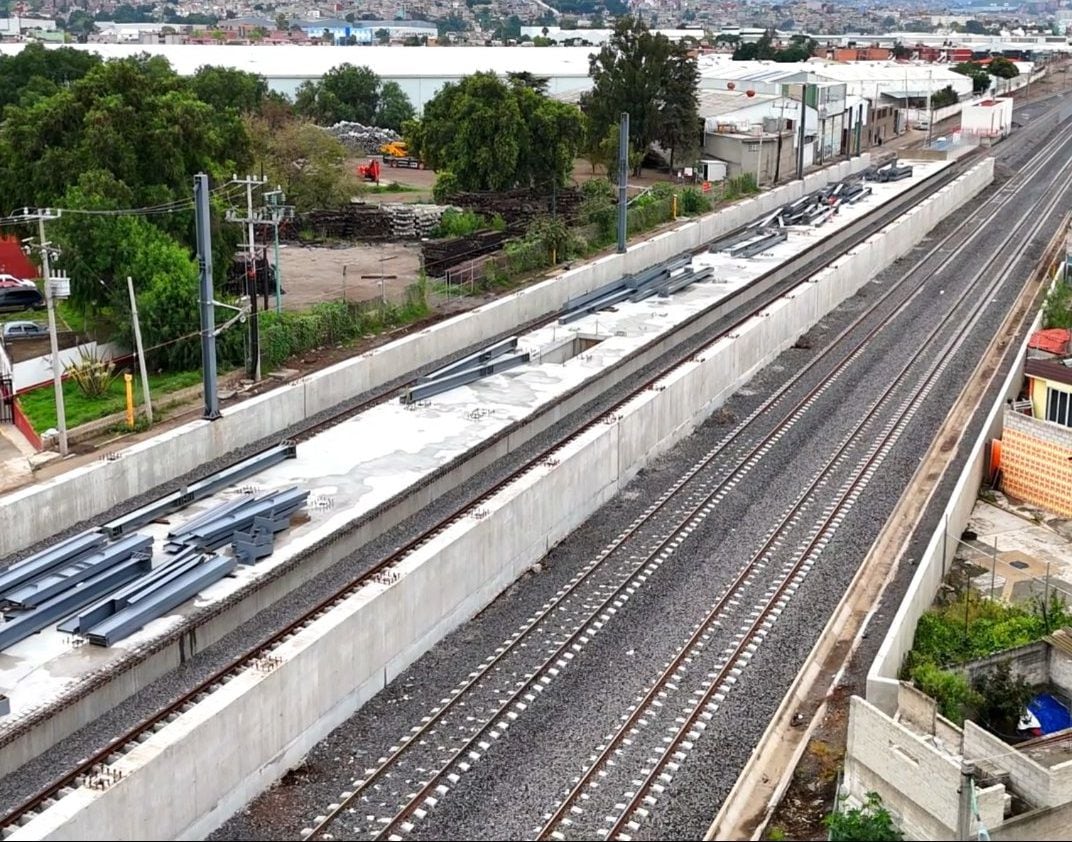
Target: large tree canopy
<point>650,77</point>
<point>353,94</point>
<point>494,135</point>
<point>133,118</point>
<point>48,69</point>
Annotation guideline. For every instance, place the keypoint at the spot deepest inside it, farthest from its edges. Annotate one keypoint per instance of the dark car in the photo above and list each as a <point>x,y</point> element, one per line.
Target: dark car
<point>20,297</point>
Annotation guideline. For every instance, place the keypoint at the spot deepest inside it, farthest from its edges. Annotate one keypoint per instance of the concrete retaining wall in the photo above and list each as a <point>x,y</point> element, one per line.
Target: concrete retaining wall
<point>332,667</point>
<point>87,492</point>
<point>936,558</point>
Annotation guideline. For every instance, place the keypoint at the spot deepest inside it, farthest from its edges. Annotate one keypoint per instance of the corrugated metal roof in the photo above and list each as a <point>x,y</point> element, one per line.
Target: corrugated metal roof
<point>1053,370</point>
<point>1060,640</point>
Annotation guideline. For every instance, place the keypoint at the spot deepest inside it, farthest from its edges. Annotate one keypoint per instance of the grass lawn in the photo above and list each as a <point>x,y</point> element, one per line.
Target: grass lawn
<point>391,187</point>
<point>40,404</point>
<point>68,317</point>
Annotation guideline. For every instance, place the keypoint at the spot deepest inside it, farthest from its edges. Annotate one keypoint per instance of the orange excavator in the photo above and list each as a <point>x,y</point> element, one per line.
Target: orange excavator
<point>369,171</point>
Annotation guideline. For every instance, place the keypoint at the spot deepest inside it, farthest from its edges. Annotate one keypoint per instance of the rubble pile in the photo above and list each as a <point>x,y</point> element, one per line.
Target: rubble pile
<point>363,140</point>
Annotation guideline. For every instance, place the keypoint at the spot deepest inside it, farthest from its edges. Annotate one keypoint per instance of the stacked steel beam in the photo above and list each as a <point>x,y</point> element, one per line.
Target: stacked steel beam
<point>105,591</point>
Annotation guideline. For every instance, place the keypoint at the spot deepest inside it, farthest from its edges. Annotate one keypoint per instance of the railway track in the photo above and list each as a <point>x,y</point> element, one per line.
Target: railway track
<point>500,691</point>
<point>690,675</point>
<point>95,770</point>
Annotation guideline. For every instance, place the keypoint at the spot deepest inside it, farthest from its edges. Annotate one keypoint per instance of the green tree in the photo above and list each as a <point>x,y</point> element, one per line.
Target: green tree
<point>1003,68</point>
<point>870,823</point>
<point>81,24</point>
<point>980,78</point>
<point>1004,699</point>
<point>494,135</point>
<point>55,68</point>
<point>394,107</point>
<point>944,97</point>
<point>529,80</point>
<point>121,117</point>
<point>223,87</point>
<point>282,23</point>
<point>974,27</point>
<point>383,36</point>
<point>307,162</point>
<point>352,94</point>
<point>648,76</point>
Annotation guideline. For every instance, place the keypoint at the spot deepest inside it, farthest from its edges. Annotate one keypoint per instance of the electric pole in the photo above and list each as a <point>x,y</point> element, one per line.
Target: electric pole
<point>203,226</point>
<point>250,221</point>
<point>41,215</point>
<point>623,181</point>
<point>278,210</point>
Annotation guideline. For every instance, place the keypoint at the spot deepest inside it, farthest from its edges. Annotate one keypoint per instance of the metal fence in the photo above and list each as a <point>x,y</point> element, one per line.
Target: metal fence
<point>1011,576</point>
<point>7,400</point>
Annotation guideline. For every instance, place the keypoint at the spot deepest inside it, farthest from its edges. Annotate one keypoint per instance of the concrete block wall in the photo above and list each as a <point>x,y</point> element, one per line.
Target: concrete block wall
<point>1060,670</point>
<point>1041,786</point>
<point>1035,462</point>
<point>1031,662</point>
<point>83,494</point>
<point>918,784</point>
<point>334,666</point>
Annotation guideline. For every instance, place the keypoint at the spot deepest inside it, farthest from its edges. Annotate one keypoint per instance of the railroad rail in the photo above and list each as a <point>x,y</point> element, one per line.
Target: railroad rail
<point>93,770</point>
<point>510,703</point>
<point>717,684</point>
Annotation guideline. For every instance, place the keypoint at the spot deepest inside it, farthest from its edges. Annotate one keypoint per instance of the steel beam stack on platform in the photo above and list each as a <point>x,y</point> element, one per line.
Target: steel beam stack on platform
<point>110,570</point>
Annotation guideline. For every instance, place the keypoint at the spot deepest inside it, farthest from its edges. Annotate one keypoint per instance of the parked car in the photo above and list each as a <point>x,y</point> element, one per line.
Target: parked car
<point>17,294</point>
<point>23,330</point>
<point>12,280</point>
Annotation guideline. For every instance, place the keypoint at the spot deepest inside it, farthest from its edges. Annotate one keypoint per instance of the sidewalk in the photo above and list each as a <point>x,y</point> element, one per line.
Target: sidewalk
<point>16,467</point>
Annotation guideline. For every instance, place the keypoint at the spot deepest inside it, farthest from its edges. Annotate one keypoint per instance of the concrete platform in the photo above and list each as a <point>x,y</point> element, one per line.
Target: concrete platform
<point>368,460</point>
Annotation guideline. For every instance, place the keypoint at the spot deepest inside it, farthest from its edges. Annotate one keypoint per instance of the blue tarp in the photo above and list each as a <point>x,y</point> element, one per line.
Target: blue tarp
<point>1051,714</point>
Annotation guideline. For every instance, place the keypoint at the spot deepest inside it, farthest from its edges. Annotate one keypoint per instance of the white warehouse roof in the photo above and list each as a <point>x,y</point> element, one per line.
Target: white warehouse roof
<point>299,61</point>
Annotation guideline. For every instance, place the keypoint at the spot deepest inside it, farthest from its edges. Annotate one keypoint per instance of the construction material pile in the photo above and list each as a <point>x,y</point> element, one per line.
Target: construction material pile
<point>441,255</point>
<point>519,207</point>
<point>362,221</point>
<point>102,585</point>
<point>811,210</point>
<point>361,139</point>
<point>891,171</point>
<point>662,280</point>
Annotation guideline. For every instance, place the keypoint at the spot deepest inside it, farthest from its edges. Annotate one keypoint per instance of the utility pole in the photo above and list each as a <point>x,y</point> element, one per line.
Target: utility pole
<point>250,221</point>
<point>930,109</point>
<point>278,210</point>
<point>623,181</point>
<point>141,351</point>
<point>203,224</point>
<point>41,215</point>
<point>803,130</point>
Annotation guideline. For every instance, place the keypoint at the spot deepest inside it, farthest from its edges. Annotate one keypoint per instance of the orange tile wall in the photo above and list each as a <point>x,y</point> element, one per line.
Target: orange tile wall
<point>1035,462</point>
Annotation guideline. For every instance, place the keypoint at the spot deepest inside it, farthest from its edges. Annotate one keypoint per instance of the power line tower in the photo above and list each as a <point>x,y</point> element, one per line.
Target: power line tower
<point>56,286</point>
<point>250,220</point>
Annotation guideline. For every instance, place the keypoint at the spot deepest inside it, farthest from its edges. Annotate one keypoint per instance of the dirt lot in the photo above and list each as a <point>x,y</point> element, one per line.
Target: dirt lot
<point>324,273</point>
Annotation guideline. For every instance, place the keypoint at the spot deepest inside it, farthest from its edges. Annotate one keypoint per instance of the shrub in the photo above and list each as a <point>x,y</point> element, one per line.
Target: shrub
<point>446,186</point>
<point>92,372</point>
<point>871,822</point>
<point>1003,699</point>
<point>949,689</point>
<point>694,202</point>
<point>598,188</point>
<point>458,223</point>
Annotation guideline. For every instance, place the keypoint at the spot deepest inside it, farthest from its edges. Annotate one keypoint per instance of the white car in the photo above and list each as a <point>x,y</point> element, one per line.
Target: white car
<point>7,280</point>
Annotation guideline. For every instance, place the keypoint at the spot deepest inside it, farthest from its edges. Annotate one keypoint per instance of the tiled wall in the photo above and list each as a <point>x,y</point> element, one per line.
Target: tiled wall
<point>1035,462</point>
